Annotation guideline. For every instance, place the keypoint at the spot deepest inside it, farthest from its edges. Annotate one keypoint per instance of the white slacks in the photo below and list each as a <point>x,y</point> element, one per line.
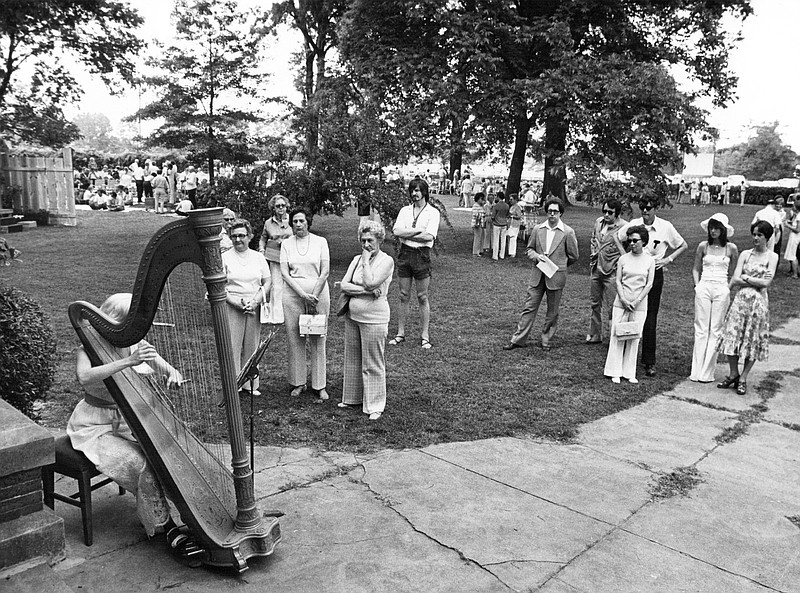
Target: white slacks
<point>711,300</point>
<point>622,354</point>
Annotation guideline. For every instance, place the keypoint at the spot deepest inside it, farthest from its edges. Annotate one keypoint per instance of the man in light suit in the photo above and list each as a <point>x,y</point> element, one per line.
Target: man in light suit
<point>554,241</point>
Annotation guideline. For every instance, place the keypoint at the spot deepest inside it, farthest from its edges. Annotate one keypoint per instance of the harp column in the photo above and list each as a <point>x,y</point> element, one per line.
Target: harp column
<point>207,226</point>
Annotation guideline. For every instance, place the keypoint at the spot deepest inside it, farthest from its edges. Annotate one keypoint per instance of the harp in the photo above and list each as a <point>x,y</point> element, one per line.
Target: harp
<point>216,500</point>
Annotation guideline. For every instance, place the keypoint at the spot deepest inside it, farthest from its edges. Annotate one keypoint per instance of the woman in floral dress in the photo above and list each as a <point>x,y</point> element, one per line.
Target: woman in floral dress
<point>746,326</point>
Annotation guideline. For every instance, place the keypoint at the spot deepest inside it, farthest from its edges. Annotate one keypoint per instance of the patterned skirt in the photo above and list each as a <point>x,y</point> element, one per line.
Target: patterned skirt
<point>746,326</point>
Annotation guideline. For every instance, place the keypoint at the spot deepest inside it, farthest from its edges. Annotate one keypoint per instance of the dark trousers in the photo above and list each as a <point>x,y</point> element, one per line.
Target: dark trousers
<point>139,189</point>
<point>650,322</point>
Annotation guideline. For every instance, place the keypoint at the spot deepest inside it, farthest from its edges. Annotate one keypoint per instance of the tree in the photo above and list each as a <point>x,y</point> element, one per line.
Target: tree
<point>36,39</point>
<point>588,80</point>
<point>206,77</point>
<point>763,156</point>
<point>316,20</point>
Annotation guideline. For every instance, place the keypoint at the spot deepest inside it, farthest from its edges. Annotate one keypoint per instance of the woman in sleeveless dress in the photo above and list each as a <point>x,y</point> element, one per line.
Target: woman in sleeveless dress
<point>714,262</point>
<point>746,326</point>
<point>792,224</point>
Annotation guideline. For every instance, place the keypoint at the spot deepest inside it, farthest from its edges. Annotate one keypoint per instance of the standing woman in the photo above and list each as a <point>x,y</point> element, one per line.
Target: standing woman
<point>714,263</point>
<point>792,224</point>
<point>305,264</point>
<point>746,332</point>
<point>366,323</point>
<point>635,274</point>
<point>248,282</point>
<point>276,229</point>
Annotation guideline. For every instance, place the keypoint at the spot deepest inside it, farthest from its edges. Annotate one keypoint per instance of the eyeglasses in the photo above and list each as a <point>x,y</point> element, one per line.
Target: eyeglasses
<point>608,211</point>
<point>554,211</point>
<point>646,208</point>
<point>280,205</point>
<point>238,236</point>
<point>228,219</point>
<point>633,240</point>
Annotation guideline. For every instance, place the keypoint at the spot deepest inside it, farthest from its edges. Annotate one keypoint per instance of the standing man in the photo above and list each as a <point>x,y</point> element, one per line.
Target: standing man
<point>663,236</point>
<point>137,172</point>
<point>416,226</point>
<point>466,191</point>
<point>773,214</point>
<point>726,193</point>
<point>742,192</point>
<point>606,251</point>
<point>552,247</point>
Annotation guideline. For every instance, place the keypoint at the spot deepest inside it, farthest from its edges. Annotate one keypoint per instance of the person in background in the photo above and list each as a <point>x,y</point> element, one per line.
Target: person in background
<point>366,323</point>
<point>137,173</point>
<point>305,264</point>
<point>499,219</point>
<point>606,249</point>
<point>160,187</point>
<point>635,274</point>
<point>486,247</point>
<point>773,214</point>
<point>742,193</point>
<point>663,236</point>
<point>466,191</point>
<point>248,287</point>
<point>714,262</point>
<point>792,232</point>
<point>515,215</point>
<point>190,185</point>
<point>551,242</point>
<point>228,216</point>
<point>416,226</point>
<point>726,193</point>
<point>478,224</point>
<point>746,326</point>
<point>276,229</point>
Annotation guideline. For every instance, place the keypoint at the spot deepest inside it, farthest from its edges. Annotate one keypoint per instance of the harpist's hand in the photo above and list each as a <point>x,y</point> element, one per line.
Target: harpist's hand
<point>174,379</point>
<point>144,353</point>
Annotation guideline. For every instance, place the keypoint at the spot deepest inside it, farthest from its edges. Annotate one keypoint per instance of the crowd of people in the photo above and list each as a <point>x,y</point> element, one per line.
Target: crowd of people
<point>288,276</point>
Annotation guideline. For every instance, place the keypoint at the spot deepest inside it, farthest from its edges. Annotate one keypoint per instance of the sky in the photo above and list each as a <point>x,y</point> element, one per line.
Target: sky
<point>765,62</point>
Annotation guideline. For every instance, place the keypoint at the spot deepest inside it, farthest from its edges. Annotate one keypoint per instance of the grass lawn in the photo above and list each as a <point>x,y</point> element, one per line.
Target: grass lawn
<point>465,388</point>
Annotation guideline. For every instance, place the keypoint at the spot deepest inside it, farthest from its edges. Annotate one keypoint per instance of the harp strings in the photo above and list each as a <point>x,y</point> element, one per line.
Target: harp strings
<point>183,334</point>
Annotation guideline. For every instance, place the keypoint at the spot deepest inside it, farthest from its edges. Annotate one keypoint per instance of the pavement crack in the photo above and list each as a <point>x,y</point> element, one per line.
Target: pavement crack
<point>386,501</point>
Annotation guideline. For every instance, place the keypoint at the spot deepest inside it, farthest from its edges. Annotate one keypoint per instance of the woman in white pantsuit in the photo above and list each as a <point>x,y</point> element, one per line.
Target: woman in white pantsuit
<point>305,264</point>
<point>366,323</point>
<point>276,229</point>
<point>714,263</point>
<point>248,285</point>
<point>635,272</point>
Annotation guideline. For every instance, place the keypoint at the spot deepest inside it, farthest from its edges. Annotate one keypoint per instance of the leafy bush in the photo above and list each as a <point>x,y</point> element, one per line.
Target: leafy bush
<point>27,351</point>
<point>8,193</point>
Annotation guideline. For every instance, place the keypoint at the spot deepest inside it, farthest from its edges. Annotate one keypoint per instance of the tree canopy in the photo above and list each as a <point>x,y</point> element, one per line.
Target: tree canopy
<point>763,156</point>
<point>204,81</point>
<point>37,39</point>
<point>588,84</point>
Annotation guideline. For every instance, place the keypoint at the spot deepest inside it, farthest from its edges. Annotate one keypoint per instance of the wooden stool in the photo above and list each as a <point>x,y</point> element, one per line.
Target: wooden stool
<point>74,464</point>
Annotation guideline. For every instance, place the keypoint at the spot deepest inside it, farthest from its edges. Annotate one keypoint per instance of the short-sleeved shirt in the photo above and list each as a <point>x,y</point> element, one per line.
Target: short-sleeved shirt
<point>662,236</point>
<point>246,271</point>
<point>305,266</point>
<point>427,220</point>
<point>273,234</point>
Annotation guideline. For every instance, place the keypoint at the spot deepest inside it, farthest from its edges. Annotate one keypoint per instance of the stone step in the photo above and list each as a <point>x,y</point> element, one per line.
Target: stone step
<point>6,212</point>
<point>28,224</point>
<point>38,579</point>
<point>6,220</point>
<point>12,228</point>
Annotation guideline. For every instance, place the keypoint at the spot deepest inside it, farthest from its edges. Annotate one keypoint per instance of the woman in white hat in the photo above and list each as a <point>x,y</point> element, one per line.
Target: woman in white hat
<point>714,262</point>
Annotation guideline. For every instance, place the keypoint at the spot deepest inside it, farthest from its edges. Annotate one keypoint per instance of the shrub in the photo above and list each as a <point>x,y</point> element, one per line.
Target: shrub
<point>27,351</point>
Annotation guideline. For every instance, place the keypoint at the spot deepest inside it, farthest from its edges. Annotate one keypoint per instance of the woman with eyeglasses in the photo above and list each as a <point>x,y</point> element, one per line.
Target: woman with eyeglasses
<point>746,326</point>
<point>305,265</point>
<point>276,229</point>
<point>228,216</point>
<point>635,273</point>
<point>248,283</point>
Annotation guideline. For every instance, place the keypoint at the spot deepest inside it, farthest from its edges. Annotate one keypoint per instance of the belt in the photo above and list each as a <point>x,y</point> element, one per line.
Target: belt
<point>98,402</point>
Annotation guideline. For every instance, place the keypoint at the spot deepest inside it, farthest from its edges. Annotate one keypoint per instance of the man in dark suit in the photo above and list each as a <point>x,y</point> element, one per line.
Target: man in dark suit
<point>552,244</point>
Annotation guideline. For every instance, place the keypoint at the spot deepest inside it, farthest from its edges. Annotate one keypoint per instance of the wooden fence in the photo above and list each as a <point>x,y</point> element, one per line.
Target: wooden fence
<point>45,183</point>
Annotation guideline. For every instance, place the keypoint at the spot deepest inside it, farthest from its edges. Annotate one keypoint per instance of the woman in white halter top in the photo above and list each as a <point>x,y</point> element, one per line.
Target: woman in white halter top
<point>714,262</point>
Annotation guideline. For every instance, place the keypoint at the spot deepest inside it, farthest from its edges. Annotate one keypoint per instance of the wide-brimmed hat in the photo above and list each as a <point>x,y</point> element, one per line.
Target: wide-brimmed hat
<point>720,218</point>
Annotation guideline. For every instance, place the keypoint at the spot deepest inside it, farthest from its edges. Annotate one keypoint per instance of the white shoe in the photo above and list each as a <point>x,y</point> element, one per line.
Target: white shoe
<point>615,380</point>
<point>375,416</point>
<point>633,380</point>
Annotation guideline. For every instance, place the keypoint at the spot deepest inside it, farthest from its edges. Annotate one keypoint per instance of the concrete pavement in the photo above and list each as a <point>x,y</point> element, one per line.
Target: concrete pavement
<point>602,514</point>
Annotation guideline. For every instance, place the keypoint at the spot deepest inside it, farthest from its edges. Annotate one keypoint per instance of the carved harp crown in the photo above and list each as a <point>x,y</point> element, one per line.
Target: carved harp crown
<point>216,501</point>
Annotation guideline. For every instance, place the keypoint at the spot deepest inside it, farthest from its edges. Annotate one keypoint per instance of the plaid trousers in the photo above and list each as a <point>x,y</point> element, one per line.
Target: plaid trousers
<point>365,365</point>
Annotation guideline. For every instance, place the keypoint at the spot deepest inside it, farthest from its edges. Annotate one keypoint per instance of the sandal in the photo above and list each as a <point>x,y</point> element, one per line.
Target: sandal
<point>741,389</point>
<point>296,391</point>
<point>426,345</point>
<point>729,382</point>
<point>398,339</point>
<point>322,394</point>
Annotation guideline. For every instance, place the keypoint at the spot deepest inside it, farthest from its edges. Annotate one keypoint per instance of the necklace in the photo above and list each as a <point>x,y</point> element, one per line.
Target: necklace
<point>308,246</point>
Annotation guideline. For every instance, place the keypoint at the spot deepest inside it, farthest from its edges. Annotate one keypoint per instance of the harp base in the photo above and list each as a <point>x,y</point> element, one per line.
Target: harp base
<point>241,545</point>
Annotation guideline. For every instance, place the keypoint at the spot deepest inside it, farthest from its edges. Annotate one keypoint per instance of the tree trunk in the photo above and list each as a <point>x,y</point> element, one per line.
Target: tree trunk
<point>312,127</point>
<point>555,170</point>
<point>522,127</point>
<point>456,145</point>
